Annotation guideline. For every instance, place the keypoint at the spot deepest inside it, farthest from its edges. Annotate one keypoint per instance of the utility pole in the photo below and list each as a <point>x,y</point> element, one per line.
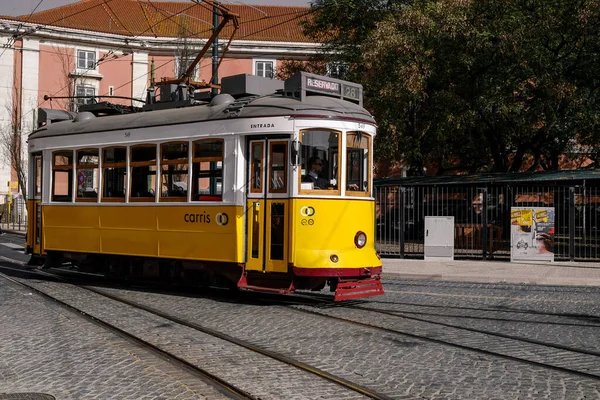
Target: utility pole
<point>215,52</point>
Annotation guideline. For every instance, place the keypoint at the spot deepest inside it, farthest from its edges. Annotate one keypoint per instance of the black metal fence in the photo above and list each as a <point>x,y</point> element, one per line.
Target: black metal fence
<point>14,215</point>
<point>481,208</point>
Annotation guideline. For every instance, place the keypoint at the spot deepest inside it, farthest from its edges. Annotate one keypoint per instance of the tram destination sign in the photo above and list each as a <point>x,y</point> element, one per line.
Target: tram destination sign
<point>322,84</point>
<point>303,83</point>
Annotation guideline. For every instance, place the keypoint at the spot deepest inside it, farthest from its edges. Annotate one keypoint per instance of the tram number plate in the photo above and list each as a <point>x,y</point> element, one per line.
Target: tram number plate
<point>351,92</point>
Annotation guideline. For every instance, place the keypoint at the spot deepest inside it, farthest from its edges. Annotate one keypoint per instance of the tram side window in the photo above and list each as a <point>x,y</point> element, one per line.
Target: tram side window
<point>87,175</point>
<point>143,173</point>
<point>114,164</point>
<point>62,176</point>
<point>320,160</point>
<point>207,170</point>
<point>38,176</point>
<point>278,168</point>
<point>174,171</point>
<point>357,162</point>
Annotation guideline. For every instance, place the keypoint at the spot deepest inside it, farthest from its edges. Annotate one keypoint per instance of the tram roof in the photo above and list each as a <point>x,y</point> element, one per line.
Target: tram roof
<point>576,177</point>
<point>265,106</point>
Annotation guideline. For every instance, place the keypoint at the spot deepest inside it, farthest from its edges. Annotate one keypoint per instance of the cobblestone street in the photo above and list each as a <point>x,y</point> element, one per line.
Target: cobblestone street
<point>424,339</point>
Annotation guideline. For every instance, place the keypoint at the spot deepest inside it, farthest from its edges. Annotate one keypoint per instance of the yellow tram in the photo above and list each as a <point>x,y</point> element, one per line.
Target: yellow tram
<point>267,186</point>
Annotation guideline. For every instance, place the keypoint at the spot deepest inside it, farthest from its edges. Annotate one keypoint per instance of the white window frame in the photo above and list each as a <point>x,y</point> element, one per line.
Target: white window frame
<point>255,63</point>
<point>87,58</point>
<point>85,89</point>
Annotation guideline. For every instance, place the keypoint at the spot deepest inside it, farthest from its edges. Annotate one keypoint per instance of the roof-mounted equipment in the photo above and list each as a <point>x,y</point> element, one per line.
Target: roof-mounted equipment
<point>47,116</point>
<point>303,84</point>
<point>249,85</point>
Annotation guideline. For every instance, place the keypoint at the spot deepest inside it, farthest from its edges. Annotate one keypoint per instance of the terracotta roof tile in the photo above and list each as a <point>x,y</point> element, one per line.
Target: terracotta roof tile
<point>175,19</point>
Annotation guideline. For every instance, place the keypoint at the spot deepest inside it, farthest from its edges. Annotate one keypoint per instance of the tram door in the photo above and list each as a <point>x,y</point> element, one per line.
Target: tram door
<point>35,207</point>
<point>268,206</point>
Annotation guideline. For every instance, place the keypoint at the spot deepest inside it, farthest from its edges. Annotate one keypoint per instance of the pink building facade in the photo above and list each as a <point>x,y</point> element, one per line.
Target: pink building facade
<point>89,49</point>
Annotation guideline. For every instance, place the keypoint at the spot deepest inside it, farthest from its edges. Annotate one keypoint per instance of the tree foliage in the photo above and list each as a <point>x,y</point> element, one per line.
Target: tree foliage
<point>473,85</point>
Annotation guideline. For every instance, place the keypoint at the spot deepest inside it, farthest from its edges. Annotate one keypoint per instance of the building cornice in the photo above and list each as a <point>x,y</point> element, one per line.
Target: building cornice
<point>153,44</point>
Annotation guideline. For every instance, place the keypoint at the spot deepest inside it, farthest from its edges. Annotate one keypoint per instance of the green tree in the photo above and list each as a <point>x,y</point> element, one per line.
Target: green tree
<point>471,85</point>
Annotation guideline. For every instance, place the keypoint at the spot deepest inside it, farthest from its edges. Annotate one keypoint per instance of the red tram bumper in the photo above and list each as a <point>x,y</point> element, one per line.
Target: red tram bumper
<point>353,283</point>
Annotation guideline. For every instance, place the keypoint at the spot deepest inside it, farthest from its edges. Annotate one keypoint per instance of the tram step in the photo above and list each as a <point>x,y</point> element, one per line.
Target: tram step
<point>347,290</point>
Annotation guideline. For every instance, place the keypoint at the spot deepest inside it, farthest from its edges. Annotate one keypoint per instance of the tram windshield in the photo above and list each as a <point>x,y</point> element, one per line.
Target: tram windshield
<point>320,160</point>
<point>322,167</point>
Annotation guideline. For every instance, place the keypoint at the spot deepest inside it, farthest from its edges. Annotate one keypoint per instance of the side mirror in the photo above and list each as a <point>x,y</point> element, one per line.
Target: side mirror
<point>295,152</point>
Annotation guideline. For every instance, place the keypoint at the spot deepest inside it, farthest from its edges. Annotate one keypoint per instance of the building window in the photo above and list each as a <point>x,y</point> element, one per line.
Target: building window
<point>87,175</point>
<point>113,173</point>
<point>174,171</point>
<point>207,170</point>
<point>89,92</point>
<point>86,59</point>
<point>182,63</point>
<point>111,90</point>
<point>264,68</point>
<point>62,176</point>
<point>143,173</point>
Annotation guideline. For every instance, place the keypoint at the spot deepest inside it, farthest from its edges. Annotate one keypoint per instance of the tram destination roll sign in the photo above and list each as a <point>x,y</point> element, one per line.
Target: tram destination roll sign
<point>346,90</point>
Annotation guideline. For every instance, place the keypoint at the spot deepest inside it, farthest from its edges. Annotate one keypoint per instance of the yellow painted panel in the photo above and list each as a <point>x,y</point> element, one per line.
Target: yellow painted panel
<point>322,227</point>
<point>187,232</point>
<point>256,234</point>
<point>70,216</point>
<point>192,245</point>
<point>130,242</point>
<point>70,228</point>
<point>281,224</point>
<point>132,217</point>
<point>30,223</point>
<point>84,240</point>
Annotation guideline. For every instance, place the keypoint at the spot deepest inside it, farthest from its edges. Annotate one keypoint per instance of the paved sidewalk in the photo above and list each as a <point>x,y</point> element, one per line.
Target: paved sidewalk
<point>542,273</point>
<point>21,232</point>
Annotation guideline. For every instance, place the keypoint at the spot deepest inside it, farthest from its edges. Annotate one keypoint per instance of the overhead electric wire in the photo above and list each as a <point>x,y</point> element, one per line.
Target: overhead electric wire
<point>111,51</point>
<point>36,7</point>
<point>16,36</point>
<point>252,33</point>
<point>117,17</point>
<point>203,5</point>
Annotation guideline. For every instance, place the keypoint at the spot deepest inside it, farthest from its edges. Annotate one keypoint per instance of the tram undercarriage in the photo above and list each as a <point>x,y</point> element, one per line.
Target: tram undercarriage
<point>365,283</point>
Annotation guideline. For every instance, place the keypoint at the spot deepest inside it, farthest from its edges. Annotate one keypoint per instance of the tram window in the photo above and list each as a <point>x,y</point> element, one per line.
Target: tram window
<point>87,175</point>
<point>174,171</point>
<point>320,160</point>
<point>114,167</point>
<point>62,176</point>
<point>278,168</point>
<point>207,170</point>
<point>38,176</point>
<point>257,168</point>
<point>357,163</point>
<point>143,173</point>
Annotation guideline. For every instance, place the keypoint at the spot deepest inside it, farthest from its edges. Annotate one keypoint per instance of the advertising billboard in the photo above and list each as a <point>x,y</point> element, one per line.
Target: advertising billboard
<point>532,233</point>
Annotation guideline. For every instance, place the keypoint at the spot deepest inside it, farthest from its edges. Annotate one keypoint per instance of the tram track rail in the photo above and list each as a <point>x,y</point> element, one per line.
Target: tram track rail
<point>319,310</point>
<point>219,384</point>
<point>211,332</point>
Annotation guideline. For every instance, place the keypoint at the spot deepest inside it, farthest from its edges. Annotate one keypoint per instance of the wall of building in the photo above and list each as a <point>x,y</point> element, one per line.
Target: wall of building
<point>116,73</point>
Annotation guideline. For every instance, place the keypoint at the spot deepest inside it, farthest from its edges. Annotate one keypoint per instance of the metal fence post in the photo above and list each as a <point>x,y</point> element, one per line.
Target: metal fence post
<point>572,223</point>
<point>402,227</point>
<point>484,221</point>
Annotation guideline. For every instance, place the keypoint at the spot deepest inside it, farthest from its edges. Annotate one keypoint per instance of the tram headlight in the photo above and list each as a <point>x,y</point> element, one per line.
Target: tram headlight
<point>360,239</point>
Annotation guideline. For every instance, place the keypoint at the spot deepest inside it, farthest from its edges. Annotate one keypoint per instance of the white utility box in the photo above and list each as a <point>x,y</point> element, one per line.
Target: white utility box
<point>439,238</point>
